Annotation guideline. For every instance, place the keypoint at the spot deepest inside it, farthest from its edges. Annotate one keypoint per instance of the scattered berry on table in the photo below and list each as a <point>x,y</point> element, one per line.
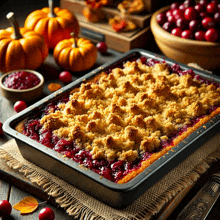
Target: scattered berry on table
<point>46,214</point>
<point>19,106</point>
<point>1,130</point>
<point>5,208</point>
<point>102,47</point>
<point>65,77</point>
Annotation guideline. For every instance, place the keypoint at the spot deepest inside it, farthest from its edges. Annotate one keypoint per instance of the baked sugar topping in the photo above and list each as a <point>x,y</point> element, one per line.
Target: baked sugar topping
<point>131,111</point>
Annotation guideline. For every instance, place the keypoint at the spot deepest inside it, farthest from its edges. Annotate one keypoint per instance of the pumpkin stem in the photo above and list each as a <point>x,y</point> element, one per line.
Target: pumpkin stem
<point>51,7</point>
<point>16,34</point>
<point>72,34</point>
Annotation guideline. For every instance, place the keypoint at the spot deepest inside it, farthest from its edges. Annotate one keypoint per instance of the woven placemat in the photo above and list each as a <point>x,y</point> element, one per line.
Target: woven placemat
<point>82,206</point>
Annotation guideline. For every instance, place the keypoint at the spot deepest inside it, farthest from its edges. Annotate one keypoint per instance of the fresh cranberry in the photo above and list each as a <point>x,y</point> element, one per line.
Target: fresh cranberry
<point>143,59</point>
<point>203,14</point>
<point>19,106</point>
<point>174,5</point>
<point>1,130</point>
<point>5,208</point>
<point>200,35</point>
<point>218,7</point>
<point>217,17</point>
<point>212,8</point>
<point>211,35</point>
<point>204,2</point>
<point>182,23</point>
<point>46,214</point>
<point>176,32</point>
<point>190,13</point>
<point>171,19</point>
<point>169,12</point>
<point>178,12</point>
<point>102,47</point>
<point>199,8</point>
<point>188,3</point>
<point>215,1</point>
<point>187,34</point>
<point>161,18</point>
<point>168,26</point>
<point>182,7</point>
<point>208,22</point>
<point>65,77</point>
<point>195,25</point>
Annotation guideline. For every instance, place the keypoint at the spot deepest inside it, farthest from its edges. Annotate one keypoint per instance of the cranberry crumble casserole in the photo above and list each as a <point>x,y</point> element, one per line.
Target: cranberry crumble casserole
<point>123,120</point>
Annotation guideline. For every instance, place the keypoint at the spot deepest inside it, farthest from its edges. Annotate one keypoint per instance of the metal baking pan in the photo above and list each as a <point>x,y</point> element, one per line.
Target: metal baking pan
<point>113,194</point>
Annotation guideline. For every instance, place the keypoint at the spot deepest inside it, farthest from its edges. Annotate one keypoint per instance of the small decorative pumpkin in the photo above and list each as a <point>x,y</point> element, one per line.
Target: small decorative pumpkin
<point>55,24</point>
<point>21,48</point>
<point>75,54</point>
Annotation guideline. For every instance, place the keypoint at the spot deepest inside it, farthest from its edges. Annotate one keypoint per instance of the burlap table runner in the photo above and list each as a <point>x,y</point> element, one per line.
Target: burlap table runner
<point>82,206</point>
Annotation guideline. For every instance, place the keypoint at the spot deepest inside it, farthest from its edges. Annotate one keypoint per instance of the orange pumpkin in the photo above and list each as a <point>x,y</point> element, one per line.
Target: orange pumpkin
<point>55,24</point>
<point>21,48</point>
<point>75,54</point>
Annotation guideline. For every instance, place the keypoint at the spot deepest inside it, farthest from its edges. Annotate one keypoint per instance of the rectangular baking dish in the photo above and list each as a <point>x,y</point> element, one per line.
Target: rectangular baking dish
<point>113,194</point>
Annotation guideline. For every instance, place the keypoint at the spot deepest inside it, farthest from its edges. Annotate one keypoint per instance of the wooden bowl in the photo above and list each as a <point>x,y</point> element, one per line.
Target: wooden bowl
<point>24,94</point>
<point>205,54</point>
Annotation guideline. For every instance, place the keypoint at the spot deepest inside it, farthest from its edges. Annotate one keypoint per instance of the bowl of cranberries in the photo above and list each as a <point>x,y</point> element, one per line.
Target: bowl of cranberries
<point>25,85</point>
<point>189,32</point>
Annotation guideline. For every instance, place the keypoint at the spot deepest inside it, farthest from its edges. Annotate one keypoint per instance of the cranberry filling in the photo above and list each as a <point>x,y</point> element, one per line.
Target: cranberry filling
<point>21,80</point>
<point>112,170</point>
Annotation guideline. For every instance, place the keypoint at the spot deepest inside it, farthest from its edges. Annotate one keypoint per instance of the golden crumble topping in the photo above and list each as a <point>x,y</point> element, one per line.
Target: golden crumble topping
<point>130,111</point>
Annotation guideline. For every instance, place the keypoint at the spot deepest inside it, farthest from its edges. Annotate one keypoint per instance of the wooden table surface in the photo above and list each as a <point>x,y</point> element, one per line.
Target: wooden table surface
<point>14,186</point>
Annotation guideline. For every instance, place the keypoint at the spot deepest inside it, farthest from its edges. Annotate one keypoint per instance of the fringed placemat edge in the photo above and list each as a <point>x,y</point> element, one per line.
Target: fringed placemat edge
<point>61,196</point>
<point>80,211</point>
<point>184,182</point>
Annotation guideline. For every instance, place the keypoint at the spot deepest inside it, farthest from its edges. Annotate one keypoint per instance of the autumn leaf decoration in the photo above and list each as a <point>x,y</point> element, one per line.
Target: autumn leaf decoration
<point>26,205</point>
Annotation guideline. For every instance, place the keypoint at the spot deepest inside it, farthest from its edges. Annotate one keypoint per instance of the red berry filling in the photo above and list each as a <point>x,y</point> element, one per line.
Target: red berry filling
<point>21,80</point>
<point>111,170</point>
